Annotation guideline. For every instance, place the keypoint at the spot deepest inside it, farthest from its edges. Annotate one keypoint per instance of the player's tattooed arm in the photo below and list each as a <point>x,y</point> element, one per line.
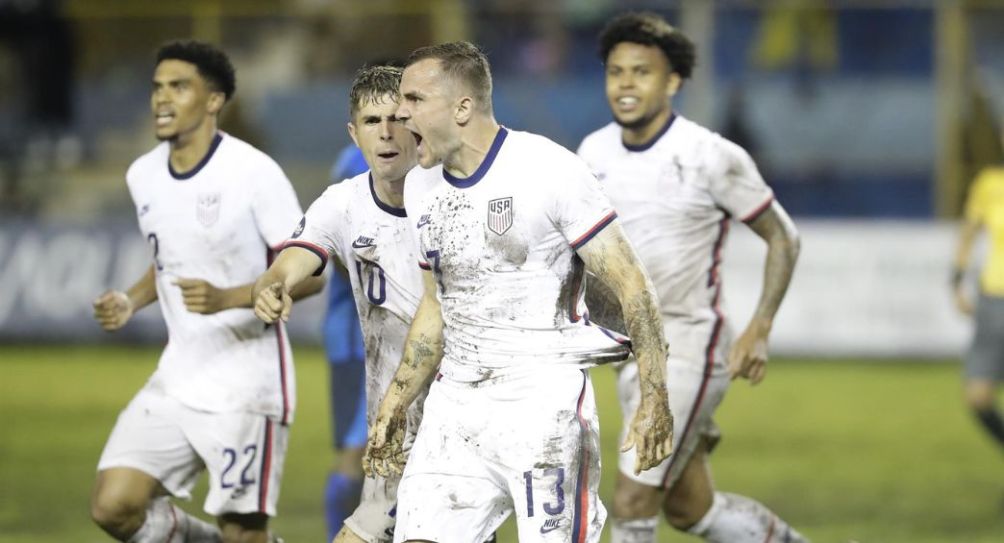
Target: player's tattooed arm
<point>289,278</point>
<point>604,307</point>
<point>611,258</point>
<point>423,351</point>
<point>114,308</point>
<point>748,356</point>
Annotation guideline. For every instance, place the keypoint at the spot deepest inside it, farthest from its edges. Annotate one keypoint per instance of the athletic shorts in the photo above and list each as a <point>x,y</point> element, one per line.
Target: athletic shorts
<point>348,403</point>
<point>525,445</point>
<point>173,443</point>
<point>374,518</point>
<point>986,355</point>
<point>693,398</point>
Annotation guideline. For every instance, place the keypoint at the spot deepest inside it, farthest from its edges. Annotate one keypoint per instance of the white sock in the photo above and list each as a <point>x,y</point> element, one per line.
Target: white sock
<point>738,519</point>
<point>633,530</point>
<point>166,523</point>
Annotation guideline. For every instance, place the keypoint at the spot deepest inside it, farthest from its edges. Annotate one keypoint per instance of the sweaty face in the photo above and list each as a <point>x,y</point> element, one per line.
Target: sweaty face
<point>387,146</point>
<point>639,83</point>
<point>427,111</point>
<point>180,99</point>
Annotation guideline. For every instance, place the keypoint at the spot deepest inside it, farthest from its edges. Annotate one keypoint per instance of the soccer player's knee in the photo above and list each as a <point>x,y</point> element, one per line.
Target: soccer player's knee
<point>980,399</point>
<point>684,507</point>
<point>636,501</point>
<point>238,528</point>
<point>117,514</point>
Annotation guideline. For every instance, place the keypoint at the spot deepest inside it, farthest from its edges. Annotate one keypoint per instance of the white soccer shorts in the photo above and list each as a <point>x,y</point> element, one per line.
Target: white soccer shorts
<point>527,445</point>
<point>243,452</point>
<point>693,397</point>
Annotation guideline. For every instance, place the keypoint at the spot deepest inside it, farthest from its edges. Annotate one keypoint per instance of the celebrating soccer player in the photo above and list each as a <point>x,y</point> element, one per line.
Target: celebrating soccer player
<point>677,186</point>
<point>222,397</point>
<point>507,223</point>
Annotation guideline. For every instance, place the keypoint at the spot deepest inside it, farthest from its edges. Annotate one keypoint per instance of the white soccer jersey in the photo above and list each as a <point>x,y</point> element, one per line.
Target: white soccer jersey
<point>219,223</point>
<point>502,245</point>
<point>675,197</point>
<point>374,243</point>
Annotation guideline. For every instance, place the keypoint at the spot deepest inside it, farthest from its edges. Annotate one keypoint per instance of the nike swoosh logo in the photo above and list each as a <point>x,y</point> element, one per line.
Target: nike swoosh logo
<point>363,242</point>
<point>546,529</point>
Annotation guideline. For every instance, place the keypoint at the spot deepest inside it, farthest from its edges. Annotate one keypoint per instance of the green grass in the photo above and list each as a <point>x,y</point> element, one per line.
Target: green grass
<point>876,452</point>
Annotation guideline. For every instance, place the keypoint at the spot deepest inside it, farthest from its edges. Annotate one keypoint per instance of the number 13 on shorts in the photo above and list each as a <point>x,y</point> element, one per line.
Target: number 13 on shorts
<point>553,498</point>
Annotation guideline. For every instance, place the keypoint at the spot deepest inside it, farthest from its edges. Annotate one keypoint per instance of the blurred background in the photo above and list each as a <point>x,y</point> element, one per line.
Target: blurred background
<point>869,119</point>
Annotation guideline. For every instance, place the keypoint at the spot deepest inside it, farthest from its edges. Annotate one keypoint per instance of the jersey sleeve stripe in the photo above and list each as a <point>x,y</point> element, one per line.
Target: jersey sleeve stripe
<point>584,238</point>
<point>316,249</point>
<point>755,214</point>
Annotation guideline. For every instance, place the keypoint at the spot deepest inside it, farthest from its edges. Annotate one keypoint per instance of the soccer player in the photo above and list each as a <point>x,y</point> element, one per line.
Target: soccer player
<point>362,223</point>
<point>677,186</point>
<point>507,222</point>
<point>343,344</point>
<point>984,364</point>
<point>222,397</point>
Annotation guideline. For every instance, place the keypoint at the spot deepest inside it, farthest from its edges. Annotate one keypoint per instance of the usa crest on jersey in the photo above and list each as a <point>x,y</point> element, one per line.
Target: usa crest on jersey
<point>208,208</point>
<point>500,215</point>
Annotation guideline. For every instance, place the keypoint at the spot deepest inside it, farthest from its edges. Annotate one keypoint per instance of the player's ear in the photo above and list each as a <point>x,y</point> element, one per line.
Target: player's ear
<point>465,108</point>
<point>352,132</point>
<point>673,84</point>
<point>216,102</point>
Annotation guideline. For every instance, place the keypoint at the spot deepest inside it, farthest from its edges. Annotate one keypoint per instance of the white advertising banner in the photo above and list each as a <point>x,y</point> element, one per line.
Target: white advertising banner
<point>52,273</point>
<point>868,288</point>
<point>861,288</point>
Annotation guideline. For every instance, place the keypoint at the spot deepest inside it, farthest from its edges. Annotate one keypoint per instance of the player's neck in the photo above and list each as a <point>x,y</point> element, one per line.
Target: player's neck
<point>390,192</point>
<point>644,134</point>
<point>187,150</point>
<point>475,143</point>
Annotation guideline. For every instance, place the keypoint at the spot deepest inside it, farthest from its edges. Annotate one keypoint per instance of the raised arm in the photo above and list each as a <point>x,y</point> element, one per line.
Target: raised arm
<point>289,278</point>
<point>114,308</point>
<point>611,258</point>
<point>748,356</point>
<point>423,351</point>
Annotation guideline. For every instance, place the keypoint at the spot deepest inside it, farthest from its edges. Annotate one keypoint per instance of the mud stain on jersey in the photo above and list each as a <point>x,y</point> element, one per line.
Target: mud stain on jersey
<point>511,248</point>
<point>568,294</point>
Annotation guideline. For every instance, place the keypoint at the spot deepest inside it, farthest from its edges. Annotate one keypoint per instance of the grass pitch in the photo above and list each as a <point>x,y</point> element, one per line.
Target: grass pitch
<point>875,452</point>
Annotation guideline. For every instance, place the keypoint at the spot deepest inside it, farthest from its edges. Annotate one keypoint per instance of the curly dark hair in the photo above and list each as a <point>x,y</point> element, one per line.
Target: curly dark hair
<point>647,28</point>
<point>463,62</point>
<point>213,64</point>
<point>371,84</point>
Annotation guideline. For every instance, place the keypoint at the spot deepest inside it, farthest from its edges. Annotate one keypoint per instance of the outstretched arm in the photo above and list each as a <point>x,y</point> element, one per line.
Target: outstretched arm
<point>114,308</point>
<point>967,238</point>
<point>289,278</point>
<point>611,258</point>
<point>748,356</point>
<point>423,351</point>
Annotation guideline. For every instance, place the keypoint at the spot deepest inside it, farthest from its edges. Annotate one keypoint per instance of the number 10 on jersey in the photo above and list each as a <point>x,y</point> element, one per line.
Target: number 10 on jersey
<point>373,281</point>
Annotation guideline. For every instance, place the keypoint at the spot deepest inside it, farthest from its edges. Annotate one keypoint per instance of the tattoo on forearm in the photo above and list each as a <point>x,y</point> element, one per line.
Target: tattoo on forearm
<point>604,307</point>
<point>644,325</point>
<point>422,348</point>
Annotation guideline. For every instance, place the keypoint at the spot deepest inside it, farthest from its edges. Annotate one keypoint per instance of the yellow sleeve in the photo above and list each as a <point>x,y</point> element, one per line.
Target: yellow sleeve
<point>976,203</point>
